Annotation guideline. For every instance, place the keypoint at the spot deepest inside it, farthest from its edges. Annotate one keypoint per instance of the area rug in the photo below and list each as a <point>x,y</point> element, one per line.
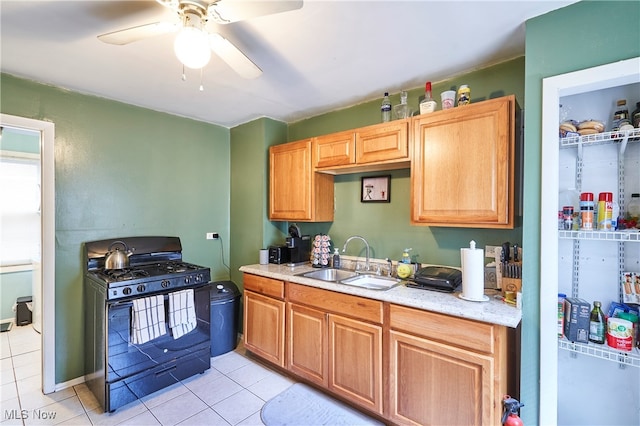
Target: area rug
<point>302,405</point>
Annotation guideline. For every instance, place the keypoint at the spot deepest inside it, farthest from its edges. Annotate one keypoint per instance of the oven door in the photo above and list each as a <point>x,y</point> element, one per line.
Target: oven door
<point>125,359</point>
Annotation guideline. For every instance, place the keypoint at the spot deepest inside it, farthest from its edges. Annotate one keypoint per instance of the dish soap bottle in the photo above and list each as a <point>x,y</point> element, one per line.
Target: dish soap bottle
<point>405,256</point>
<point>336,258</point>
<point>404,269</point>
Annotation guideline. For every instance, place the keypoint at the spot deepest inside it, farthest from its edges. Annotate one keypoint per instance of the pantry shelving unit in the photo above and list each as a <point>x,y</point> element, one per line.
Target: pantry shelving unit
<point>587,264</point>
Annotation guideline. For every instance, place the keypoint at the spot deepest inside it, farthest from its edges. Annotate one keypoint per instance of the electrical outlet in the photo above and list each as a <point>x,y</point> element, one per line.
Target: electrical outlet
<point>212,235</point>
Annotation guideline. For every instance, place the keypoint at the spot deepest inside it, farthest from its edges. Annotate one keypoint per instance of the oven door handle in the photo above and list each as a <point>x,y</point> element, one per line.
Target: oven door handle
<point>166,370</point>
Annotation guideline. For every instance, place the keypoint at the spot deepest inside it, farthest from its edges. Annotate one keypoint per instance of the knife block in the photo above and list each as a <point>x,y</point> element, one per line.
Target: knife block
<point>511,285</point>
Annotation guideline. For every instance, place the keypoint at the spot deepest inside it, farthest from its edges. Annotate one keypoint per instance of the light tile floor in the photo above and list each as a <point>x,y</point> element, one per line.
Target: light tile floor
<point>232,392</point>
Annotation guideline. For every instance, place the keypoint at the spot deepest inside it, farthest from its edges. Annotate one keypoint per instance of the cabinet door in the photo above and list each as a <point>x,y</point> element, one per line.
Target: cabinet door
<point>432,383</point>
<point>264,326</point>
<point>463,166</point>
<point>336,149</point>
<point>295,191</point>
<point>382,142</point>
<point>355,361</point>
<point>307,340</point>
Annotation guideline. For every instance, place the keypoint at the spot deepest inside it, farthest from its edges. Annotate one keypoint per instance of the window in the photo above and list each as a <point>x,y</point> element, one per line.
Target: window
<point>19,208</point>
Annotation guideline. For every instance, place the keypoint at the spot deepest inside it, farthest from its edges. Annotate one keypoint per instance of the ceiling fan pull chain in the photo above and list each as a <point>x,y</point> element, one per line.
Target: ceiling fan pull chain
<point>184,76</point>
<point>201,86</point>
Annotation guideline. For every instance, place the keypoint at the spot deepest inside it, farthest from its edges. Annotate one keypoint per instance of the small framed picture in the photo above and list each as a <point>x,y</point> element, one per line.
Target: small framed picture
<point>376,189</point>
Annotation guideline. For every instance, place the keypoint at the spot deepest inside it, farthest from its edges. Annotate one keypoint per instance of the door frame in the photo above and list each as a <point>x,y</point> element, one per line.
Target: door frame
<point>554,88</point>
<point>47,136</point>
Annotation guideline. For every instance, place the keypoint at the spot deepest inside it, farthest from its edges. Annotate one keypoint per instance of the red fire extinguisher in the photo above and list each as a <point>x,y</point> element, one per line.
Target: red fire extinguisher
<point>510,415</point>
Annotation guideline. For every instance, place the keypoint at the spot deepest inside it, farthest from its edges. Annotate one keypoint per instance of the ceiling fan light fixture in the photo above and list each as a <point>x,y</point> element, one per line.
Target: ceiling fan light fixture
<point>192,47</point>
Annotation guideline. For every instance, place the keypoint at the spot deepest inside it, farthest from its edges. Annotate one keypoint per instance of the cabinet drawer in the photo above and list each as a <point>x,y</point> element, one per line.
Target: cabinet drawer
<point>264,285</point>
<point>352,306</point>
<point>469,334</point>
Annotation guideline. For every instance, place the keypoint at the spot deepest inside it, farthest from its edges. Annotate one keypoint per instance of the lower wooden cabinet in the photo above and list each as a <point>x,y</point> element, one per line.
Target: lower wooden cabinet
<point>307,343</point>
<point>405,365</point>
<point>458,367</point>
<point>264,317</point>
<point>355,361</point>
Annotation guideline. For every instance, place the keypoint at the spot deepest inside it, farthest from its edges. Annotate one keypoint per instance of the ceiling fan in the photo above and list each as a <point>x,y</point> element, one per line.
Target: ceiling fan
<point>193,44</point>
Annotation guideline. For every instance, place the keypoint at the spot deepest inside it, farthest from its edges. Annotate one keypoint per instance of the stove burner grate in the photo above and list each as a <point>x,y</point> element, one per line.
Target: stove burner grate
<point>125,274</point>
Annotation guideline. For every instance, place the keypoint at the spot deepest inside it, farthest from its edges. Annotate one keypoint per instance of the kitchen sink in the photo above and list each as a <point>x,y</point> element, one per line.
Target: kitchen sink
<point>329,274</point>
<point>372,282</point>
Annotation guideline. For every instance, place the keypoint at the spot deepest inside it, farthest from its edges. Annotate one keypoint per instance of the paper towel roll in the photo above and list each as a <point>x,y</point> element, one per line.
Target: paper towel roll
<point>472,260</point>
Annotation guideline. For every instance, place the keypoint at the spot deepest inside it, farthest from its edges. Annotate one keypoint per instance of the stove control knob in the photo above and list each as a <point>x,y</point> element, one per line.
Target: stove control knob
<point>165,283</point>
<point>126,290</point>
<point>187,279</point>
<point>199,278</point>
<point>141,288</point>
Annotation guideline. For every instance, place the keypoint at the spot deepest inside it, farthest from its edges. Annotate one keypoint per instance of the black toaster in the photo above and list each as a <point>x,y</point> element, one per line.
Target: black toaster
<point>279,254</point>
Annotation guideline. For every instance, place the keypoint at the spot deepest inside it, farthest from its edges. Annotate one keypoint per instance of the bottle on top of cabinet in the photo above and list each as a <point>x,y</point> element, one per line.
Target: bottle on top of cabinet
<point>428,104</point>
<point>385,108</point>
<point>464,95</point>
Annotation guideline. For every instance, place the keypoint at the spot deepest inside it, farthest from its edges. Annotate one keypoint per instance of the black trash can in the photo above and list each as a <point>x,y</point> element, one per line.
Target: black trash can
<point>225,305</point>
<point>23,313</point>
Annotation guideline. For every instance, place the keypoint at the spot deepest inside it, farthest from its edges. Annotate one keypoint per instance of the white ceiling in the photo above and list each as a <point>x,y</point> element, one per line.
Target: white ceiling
<point>324,56</point>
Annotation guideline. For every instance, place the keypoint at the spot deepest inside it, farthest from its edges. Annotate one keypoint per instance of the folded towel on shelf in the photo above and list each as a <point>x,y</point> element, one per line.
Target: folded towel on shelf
<point>182,313</point>
<point>147,319</point>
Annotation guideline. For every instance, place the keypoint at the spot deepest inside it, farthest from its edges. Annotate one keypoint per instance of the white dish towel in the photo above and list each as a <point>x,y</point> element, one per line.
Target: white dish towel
<point>182,313</point>
<point>147,319</point>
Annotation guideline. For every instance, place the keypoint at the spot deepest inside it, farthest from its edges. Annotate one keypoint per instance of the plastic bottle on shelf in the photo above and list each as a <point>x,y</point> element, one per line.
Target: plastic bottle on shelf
<point>597,324</point>
<point>385,108</point>
<point>428,104</point>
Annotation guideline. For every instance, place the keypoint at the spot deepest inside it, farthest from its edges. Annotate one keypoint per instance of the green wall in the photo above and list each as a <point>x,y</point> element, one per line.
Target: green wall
<point>123,171</point>
<point>250,227</point>
<point>386,225</point>
<point>597,33</point>
<point>12,286</point>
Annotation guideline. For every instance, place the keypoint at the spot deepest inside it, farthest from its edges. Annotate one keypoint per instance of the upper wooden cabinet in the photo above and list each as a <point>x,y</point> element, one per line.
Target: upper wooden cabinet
<point>296,192</point>
<point>463,163</point>
<point>382,146</point>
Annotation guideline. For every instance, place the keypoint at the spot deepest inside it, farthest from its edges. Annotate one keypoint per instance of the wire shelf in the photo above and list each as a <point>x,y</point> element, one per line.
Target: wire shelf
<point>605,352</point>
<point>600,138</point>
<point>632,235</point>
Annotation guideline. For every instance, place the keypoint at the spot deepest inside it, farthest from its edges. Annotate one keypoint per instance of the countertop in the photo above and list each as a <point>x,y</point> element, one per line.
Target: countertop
<point>493,311</point>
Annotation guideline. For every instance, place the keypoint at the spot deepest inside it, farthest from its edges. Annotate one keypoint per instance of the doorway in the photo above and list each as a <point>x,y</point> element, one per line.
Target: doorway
<point>45,314</point>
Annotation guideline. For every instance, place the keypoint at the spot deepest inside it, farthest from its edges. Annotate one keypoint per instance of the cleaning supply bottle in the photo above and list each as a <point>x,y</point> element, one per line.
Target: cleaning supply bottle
<point>336,258</point>
<point>405,256</point>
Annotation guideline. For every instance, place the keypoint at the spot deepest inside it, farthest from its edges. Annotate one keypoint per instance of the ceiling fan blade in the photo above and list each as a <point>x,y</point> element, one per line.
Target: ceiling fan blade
<point>227,11</point>
<point>130,35</point>
<point>233,56</point>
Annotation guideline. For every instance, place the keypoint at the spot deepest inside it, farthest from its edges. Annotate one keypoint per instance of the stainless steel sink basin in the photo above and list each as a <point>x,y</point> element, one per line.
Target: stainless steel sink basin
<point>372,282</point>
<point>329,274</point>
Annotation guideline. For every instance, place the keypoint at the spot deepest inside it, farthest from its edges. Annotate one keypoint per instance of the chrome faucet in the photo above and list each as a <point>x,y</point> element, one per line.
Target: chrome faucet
<point>344,248</point>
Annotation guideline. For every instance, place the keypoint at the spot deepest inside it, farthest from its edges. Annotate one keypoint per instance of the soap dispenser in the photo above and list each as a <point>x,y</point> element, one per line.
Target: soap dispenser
<point>405,256</point>
<point>336,258</point>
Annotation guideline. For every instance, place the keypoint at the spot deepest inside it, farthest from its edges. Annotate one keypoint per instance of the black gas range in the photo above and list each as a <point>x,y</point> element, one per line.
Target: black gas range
<point>119,369</point>
<point>155,265</point>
